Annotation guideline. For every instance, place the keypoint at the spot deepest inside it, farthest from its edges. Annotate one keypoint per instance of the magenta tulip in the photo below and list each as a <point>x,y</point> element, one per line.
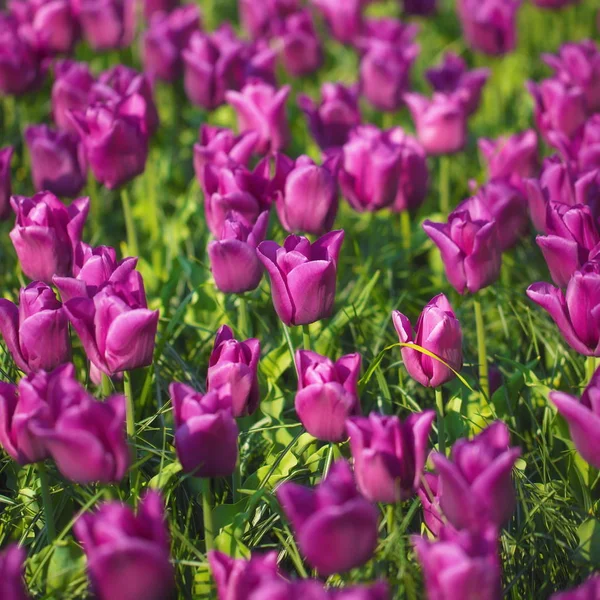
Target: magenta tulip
<point>586,591</point>
<point>258,19</point>
<point>152,7</point>
<point>429,494</point>
<point>420,7</point>
<point>300,49</point>
<point>107,24</point>
<point>70,91</point>
<point>344,19</point>
<point>12,570</point>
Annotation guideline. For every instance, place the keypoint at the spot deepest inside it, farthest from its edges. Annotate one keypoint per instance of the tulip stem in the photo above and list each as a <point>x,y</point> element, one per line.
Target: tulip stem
<point>444,184</point>
<point>306,337</point>
<point>439,402</point>
<point>390,517</point>
<point>46,502</point>
<point>328,459</point>
<point>243,317</point>
<point>590,365</point>
<point>129,399</point>
<point>405,229</point>
<point>94,205</point>
<point>207,502</point>
<point>481,350</point>
<point>106,385</point>
<point>132,243</point>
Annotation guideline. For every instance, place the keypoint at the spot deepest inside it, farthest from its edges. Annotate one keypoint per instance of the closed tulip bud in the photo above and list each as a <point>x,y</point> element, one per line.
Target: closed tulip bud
<point>588,152</point>
<point>258,19</point>
<point>155,6</point>
<point>574,311</point>
<point>429,494</point>
<point>470,249</point>
<point>5,181</point>
<point>344,20</point>
<point>70,92</point>
<point>12,570</point>
<point>489,26</point>
<point>586,591</point>
<point>300,49</point>
<point>303,276</point>
<point>476,485</point>
<point>420,7</point>
<point>57,160</point>
<point>235,364</point>
<point>165,40</point>
<point>583,417</point>
<point>389,455</point>
<point>327,393</point>
<point>461,564</point>
<point>369,169</point>
<point>441,122</point>
<point>115,140</point>
<point>46,233</point>
<point>206,434</point>
<point>260,107</point>
<point>107,24</point>
<point>438,331</point>
<point>337,114</point>
<point>127,554</point>
<point>335,527</point>
<point>36,332</point>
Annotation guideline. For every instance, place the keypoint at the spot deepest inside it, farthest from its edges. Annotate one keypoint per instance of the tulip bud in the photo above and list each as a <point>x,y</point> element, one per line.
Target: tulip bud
<point>70,91</point>
<point>476,485</point>
<point>439,332</point>
<point>335,527</point>
<point>344,20</point>
<point>429,494</point>
<point>127,554</point>
<point>303,276</point>
<point>300,49</point>
<point>206,434</point>
<point>46,233</point>
<point>588,152</point>
<point>12,570</point>
<point>574,312</point>
<point>235,363</point>
<point>389,455</point>
<point>57,160</point>
<point>470,250</point>
<point>258,19</point>
<point>5,181</point>
<point>107,24</point>
<point>152,7</point>
<point>588,590</point>
<point>327,393</point>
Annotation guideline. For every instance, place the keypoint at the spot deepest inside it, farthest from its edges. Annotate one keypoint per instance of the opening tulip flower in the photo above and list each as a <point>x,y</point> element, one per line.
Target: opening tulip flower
<point>303,276</point>
<point>70,91</point>
<point>429,494</point>
<point>107,24</point>
<point>335,527</point>
<point>12,570</point>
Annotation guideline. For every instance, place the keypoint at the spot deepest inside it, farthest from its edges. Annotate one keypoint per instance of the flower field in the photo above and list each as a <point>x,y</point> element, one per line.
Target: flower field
<point>301,299</point>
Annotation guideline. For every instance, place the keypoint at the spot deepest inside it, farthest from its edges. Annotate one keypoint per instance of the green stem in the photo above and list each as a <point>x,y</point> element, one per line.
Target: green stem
<point>207,504</point>
<point>444,184</point>
<point>439,402</point>
<point>390,518</point>
<point>328,460</point>
<point>106,385</point>
<point>481,351</point>
<point>236,482</point>
<point>129,396</point>
<point>290,345</point>
<point>590,367</point>
<point>95,208</point>
<point>306,337</point>
<point>243,318</point>
<point>46,502</point>
<point>132,243</point>
<point>405,229</point>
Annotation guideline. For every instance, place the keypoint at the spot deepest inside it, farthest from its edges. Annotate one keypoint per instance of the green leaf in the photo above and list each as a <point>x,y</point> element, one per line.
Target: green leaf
<point>589,542</point>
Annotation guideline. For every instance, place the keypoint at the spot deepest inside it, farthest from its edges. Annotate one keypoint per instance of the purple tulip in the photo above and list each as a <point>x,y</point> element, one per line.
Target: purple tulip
<point>46,233</point>
<point>338,113</point>
<point>586,591</point>
<point>419,7</point>
<point>476,485</point>
<point>235,363</point>
<point>303,276</point>
<point>588,146</point>
<point>470,250</point>
<point>441,122</point>
<point>151,7</point>
<point>107,24</point>
<point>574,312</point>
<point>327,393</point>
<point>206,434</point>
<point>127,554</point>
<point>5,181</point>
<point>260,107</point>
<point>36,332</point>
<point>335,527</point>
<point>344,19</point>
<point>370,168</point>
<point>489,26</point>
<point>57,160</point>
<point>258,19</point>
<point>438,331</point>
<point>70,91</point>
<point>389,455</point>
<point>429,494</point>
<point>461,565</point>
<point>311,589</point>
<point>12,570</point>
<point>165,40</point>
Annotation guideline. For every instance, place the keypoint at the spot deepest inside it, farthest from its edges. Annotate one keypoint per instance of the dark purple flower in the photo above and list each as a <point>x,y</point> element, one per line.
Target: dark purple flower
<point>107,24</point>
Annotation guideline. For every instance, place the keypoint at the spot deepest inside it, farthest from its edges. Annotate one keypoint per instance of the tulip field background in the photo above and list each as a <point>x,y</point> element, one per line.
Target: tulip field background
<point>553,540</point>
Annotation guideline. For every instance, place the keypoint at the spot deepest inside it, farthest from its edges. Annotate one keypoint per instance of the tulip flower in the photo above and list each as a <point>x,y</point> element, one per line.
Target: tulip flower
<point>335,527</point>
<point>235,363</point>
<point>429,494</point>
<point>337,114</point>
<point>165,40</point>
<point>574,311</point>
<point>12,570</point>
<point>58,164</point>
<point>70,91</point>
<point>258,20</point>
<point>419,7</point>
<point>300,49</point>
<point>461,565</point>
<point>438,331</point>
<point>234,262</point>
<point>260,107</point>
<point>206,434</point>
<point>470,250</point>
<point>344,19</point>
<point>389,455</point>
<point>303,276</point>
<point>327,393</point>
<point>127,554</point>
<point>107,24</point>
<point>114,139</point>
<point>5,181</point>
<point>586,591</point>
<point>441,122</point>
<point>46,233</point>
<point>583,417</point>
<point>36,332</point>
<point>476,485</point>
<point>116,327</point>
<point>489,26</point>
<point>152,7</point>
<point>311,589</point>
<point>588,146</point>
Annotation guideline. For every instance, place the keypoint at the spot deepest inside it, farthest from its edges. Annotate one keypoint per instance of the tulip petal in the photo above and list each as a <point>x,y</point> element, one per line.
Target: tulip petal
<point>45,339</point>
<point>9,329</point>
<point>312,287</point>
